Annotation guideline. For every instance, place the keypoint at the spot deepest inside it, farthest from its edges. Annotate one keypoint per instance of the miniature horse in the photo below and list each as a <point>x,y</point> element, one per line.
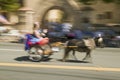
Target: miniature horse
<point>84,45</point>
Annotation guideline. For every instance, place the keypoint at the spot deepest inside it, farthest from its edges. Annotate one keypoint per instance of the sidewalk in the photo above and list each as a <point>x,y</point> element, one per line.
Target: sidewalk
<point>9,39</point>
<point>11,44</point>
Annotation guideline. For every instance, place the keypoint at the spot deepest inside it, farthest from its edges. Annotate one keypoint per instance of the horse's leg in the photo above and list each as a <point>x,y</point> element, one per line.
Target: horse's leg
<point>66,54</point>
<point>74,55</point>
<point>88,57</point>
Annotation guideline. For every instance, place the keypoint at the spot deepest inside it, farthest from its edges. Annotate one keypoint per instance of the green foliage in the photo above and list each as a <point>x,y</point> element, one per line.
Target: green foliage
<point>9,5</point>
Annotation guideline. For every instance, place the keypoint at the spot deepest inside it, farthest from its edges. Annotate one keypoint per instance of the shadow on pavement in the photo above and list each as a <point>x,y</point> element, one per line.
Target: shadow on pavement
<point>46,59</point>
<point>26,58</point>
<point>22,58</point>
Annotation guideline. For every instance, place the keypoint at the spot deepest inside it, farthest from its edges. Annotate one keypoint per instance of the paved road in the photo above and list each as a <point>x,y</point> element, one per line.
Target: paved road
<point>14,65</point>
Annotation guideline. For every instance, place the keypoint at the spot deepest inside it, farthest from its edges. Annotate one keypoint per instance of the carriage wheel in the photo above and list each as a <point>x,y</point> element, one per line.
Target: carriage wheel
<point>47,50</point>
<point>35,54</point>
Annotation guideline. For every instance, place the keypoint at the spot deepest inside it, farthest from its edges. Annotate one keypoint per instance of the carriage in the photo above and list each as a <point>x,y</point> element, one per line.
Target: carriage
<point>37,52</point>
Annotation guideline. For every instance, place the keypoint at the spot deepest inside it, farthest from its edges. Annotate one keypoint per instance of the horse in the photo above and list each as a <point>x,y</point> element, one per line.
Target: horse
<point>86,44</point>
<point>83,45</point>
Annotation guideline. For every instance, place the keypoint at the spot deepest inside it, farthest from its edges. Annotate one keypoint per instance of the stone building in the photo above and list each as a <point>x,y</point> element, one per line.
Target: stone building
<point>68,10</point>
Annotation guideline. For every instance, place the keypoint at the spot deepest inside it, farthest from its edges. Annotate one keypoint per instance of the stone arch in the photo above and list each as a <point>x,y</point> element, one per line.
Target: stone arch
<point>66,15</point>
<point>42,8</point>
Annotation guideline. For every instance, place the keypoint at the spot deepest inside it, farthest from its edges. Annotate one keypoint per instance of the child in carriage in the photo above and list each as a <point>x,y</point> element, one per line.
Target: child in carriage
<point>35,38</point>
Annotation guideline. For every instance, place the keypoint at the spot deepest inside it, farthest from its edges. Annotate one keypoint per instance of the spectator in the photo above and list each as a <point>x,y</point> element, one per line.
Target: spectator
<point>66,27</point>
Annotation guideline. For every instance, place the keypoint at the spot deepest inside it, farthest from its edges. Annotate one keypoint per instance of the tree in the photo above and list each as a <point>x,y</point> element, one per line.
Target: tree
<point>9,5</point>
<point>89,2</point>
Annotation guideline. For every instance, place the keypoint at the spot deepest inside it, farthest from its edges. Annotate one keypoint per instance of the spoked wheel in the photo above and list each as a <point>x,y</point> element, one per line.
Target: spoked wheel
<point>47,50</point>
<point>35,54</point>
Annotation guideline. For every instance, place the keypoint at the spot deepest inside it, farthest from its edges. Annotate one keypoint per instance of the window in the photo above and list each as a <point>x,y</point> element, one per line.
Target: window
<point>100,16</point>
<point>108,15</point>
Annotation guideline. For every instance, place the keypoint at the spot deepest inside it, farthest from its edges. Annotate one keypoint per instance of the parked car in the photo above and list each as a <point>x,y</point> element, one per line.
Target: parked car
<point>115,27</point>
<point>110,37</point>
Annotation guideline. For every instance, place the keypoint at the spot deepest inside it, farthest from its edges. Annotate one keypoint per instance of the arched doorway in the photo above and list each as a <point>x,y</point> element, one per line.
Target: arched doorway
<point>54,14</point>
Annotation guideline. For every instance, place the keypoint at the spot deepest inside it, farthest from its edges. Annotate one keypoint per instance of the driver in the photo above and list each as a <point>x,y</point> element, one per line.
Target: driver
<point>37,37</point>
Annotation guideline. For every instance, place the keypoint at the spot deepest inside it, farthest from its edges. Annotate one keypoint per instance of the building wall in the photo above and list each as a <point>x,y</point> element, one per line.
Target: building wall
<point>101,13</point>
<point>99,7</point>
<point>102,9</point>
<point>41,7</point>
<point>13,18</point>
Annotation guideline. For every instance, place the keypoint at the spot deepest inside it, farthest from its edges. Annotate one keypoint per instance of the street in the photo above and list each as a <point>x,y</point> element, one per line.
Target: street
<point>14,65</point>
